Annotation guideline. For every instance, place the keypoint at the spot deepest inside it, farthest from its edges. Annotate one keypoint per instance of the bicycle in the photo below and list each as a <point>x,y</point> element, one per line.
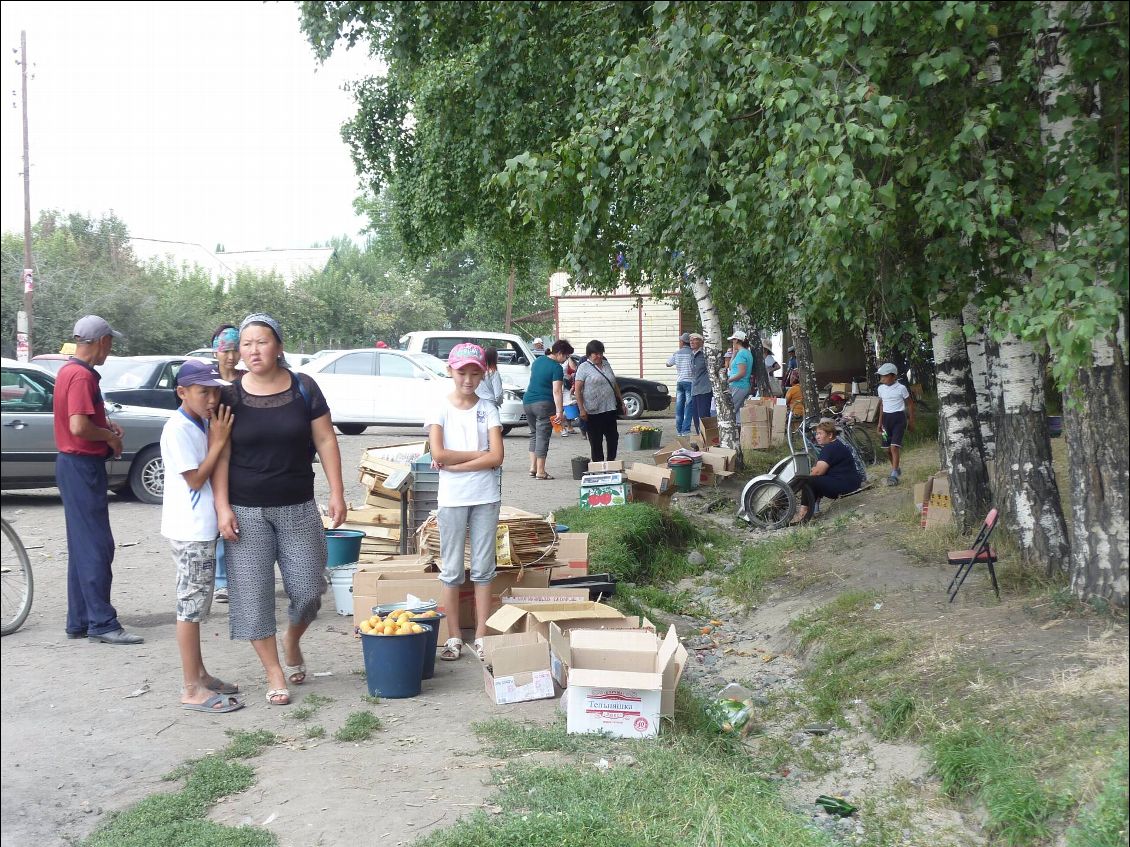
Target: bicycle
<point>17,587</point>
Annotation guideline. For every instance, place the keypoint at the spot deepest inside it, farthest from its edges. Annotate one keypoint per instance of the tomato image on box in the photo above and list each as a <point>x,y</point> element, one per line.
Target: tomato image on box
<point>604,489</point>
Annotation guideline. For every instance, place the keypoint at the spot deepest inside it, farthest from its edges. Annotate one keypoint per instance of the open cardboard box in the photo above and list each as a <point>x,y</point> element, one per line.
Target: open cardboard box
<point>504,580</point>
<point>549,594</point>
<point>728,455</point>
<point>516,667</point>
<point>572,556</point>
<point>536,617</point>
<point>619,681</point>
<point>365,577</point>
<point>560,640</point>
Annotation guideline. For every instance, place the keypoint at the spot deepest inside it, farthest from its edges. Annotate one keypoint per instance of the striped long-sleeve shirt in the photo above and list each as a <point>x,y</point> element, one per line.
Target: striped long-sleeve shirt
<point>683,362</point>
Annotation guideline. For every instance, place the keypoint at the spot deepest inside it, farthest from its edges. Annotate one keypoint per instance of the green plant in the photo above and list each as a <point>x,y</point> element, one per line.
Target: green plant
<point>1106,821</point>
<point>359,726</point>
<point>895,714</point>
<point>635,542</point>
<point>312,732</point>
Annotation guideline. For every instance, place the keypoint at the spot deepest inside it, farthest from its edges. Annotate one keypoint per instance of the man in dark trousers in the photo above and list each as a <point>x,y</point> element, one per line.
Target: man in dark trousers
<point>86,439</point>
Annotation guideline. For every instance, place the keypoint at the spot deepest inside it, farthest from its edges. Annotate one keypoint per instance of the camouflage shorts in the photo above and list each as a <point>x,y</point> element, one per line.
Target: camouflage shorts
<point>196,576</point>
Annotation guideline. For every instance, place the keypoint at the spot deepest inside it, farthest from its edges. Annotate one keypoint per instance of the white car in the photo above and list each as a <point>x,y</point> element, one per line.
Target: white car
<point>379,387</point>
<point>514,355</point>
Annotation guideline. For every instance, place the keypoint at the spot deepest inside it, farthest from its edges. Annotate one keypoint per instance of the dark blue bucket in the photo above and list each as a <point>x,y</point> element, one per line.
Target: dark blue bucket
<point>432,623</point>
<point>394,664</point>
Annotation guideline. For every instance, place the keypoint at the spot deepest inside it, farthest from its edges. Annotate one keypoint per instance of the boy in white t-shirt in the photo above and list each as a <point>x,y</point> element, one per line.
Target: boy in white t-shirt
<point>191,444</point>
<point>465,438</point>
<point>895,416</point>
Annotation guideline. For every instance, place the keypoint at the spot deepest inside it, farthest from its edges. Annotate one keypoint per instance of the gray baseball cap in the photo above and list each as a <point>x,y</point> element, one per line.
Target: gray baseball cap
<point>685,338</point>
<point>887,370</point>
<point>92,328</point>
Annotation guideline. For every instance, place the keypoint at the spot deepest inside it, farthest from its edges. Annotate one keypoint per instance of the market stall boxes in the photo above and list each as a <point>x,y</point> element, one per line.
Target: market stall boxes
<point>572,556</point>
<point>602,490</point>
<point>536,617</point>
<point>618,681</point>
<point>504,580</point>
<point>560,644</point>
<point>651,484</point>
<point>516,667</point>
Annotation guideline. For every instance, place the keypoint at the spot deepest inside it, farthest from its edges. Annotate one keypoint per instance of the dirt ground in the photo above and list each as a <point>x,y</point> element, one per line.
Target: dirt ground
<point>77,746</point>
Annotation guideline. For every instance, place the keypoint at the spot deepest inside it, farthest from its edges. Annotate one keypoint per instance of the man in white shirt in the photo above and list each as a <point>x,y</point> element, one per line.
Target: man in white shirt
<point>895,416</point>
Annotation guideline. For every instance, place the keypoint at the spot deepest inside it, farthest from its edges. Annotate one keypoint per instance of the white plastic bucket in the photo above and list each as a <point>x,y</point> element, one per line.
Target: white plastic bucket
<point>341,581</point>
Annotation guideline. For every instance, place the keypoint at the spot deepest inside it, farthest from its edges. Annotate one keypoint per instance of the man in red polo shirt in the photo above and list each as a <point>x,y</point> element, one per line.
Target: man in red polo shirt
<point>86,439</point>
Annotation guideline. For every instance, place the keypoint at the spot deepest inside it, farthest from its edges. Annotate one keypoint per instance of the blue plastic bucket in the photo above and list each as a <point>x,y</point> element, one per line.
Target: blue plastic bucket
<point>432,623</point>
<point>343,546</point>
<point>394,664</point>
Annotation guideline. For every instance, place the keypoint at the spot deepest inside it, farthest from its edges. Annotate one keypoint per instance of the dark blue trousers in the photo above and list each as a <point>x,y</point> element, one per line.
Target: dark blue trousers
<point>90,544</point>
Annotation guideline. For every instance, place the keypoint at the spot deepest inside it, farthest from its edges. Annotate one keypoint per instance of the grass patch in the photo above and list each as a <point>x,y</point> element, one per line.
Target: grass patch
<point>180,817</point>
<point>764,562</point>
<point>312,732</point>
<point>359,726</point>
<point>635,542</point>
<point>994,768</point>
<point>1106,822</point>
<point>678,791</point>
<point>371,699</point>
<point>637,599</point>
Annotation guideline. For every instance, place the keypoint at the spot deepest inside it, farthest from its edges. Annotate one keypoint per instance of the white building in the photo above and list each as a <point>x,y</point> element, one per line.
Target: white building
<point>640,330</point>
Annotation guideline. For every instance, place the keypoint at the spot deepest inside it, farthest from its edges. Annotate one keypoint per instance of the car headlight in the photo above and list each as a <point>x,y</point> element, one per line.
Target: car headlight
<point>662,388</point>
<point>508,394</point>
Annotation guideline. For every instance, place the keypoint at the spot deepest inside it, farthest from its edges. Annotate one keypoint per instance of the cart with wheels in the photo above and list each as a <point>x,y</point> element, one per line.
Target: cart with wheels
<point>770,501</point>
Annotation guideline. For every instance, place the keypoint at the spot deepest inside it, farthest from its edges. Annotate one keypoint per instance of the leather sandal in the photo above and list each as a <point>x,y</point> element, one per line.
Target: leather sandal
<point>452,649</point>
<point>295,674</point>
<point>278,697</point>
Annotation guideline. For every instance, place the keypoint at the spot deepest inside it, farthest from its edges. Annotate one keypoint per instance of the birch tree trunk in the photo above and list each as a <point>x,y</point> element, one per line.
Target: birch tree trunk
<point>809,392</point>
<point>713,345</point>
<point>957,424</point>
<point>979,373</point>
<point>1025,481</point>
<point>1096,406</point>
<point>871,345</point>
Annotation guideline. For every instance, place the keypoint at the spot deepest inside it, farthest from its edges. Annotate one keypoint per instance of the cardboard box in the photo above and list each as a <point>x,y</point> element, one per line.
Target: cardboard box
<point>602,490</point>
<point>729,456</point>
<point>536,617</point>
<point>778,426</point>
<point>649,478</point>
<point>680,442</point>
<point>606,467</point>
<point>652,498</point>
<point>549,594</point>
<point>572,555</point>
<point>938,516</point>
<point>504,580</point>
<point>517,668</point>
<point>755,436</point>
<point>365,577</point>
<point>618,679</point>
<point>560,646</point>
<point>940,491</point>
<point>754,413</point>
<point>392,587</point>
<point>710,431</point>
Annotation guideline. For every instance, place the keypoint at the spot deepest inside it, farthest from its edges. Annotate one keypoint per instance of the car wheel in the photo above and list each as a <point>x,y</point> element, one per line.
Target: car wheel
<point>351,429</point>
<point>506,430</point>
<point>634,404</point>
<point>147,476</point>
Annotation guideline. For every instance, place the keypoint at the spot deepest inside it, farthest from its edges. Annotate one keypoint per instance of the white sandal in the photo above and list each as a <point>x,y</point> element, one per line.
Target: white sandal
<point>452,650</point>
<point>477,644</point>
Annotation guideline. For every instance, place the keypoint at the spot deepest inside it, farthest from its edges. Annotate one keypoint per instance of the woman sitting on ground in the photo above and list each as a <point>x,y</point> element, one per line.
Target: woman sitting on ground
<point>835,473</point>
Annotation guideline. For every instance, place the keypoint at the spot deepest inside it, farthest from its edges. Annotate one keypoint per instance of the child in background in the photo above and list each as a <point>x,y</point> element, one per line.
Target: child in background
<point>192,442</point>
<point>569,407</point>
<point>465,438</point>
<point>895,416</point>
<point>225,344</point>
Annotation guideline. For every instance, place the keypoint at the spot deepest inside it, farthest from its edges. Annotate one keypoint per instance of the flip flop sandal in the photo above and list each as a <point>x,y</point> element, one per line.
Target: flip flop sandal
<point>295,674</point>
<point>217,704</point>
<point>477,645</point>
<point>544,476</point>
<point>533,473</point>
<point>452,650</point>
<point>278,697</point>
<point>221,687</point>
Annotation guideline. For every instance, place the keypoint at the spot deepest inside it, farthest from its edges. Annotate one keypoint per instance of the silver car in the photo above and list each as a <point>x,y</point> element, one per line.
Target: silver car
<point>26,403</point>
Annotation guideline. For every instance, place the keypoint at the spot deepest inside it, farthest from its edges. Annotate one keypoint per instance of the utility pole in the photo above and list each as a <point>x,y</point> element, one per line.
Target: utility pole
<point>24,319</point>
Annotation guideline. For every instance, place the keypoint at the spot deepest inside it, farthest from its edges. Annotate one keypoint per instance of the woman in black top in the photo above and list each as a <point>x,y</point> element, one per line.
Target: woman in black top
<point>264,491</point>
<point>835,473</point>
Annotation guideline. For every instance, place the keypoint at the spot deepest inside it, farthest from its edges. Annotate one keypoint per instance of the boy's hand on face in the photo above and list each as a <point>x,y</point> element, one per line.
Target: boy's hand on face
<point>220,429</point>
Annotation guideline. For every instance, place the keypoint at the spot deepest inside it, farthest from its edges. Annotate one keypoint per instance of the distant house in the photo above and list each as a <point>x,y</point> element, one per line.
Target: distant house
<point>222,267</point>
<point>639,329</point>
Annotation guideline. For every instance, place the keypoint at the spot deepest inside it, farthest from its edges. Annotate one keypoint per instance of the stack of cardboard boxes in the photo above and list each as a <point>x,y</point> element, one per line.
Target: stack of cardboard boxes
<point>932,498</point>
<point>619,676</point>
<point>764,422</point>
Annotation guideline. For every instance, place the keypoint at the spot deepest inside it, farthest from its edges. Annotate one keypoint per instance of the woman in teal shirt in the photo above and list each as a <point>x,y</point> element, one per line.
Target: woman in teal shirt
<point>741,369</point>
<point>542,402</point>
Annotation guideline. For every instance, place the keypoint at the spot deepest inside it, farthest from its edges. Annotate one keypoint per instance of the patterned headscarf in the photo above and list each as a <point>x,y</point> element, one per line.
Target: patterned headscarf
<point>226,340</point>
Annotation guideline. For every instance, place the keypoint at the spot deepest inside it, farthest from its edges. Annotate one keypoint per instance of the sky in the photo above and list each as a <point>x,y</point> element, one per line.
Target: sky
<point>206,123</point>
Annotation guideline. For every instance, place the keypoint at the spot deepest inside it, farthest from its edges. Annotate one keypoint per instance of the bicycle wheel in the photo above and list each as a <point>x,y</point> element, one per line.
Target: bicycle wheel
<point>16,585</point>
<point>770,504</point>
<point>863,443</point>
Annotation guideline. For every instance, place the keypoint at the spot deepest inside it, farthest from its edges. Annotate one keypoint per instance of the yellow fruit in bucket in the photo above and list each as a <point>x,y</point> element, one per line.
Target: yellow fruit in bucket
<point>416,628</point>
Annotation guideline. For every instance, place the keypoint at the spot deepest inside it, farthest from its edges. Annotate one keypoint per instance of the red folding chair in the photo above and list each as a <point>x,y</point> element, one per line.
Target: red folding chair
<point>980,552</point>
